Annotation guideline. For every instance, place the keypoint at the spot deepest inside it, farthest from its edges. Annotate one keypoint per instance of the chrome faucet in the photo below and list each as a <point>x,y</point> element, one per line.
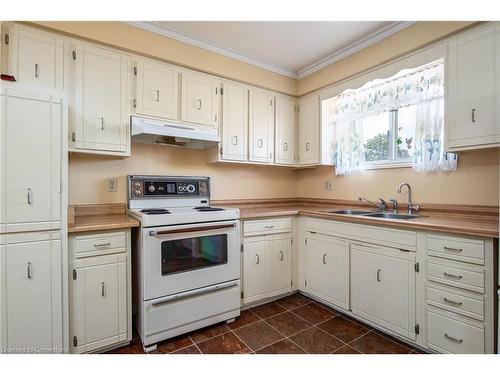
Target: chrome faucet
<point>412,208</point>
<point>395,207</point>
<point>382,205</point>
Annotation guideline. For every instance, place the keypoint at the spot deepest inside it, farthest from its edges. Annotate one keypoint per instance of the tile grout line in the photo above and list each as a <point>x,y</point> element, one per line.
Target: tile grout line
<point>239,338</point>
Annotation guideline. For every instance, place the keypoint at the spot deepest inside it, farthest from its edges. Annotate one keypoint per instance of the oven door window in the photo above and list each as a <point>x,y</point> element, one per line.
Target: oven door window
<point>193,253</point>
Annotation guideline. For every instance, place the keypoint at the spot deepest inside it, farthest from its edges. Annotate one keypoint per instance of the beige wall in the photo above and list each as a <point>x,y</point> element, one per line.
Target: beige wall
<point>134,39</point>
<point>89,174</point>
<point>411,38</point>
<point>475,182</point>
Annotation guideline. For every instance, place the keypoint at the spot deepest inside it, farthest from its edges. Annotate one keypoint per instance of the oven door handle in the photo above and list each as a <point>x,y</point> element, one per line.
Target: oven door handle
<point>192,293</point>
<point>189,230</point>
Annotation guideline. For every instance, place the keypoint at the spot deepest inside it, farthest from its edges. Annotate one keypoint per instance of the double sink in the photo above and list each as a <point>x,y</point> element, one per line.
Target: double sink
<point>379,214</point>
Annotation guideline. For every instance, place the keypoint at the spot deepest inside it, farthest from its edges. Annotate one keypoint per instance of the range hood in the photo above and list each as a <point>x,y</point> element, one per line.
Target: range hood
<point>172,133</point>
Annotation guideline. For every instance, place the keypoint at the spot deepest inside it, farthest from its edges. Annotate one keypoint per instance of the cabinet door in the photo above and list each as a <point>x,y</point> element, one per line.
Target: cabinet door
<point>33,321</point>
<point>32,57</point>
<point>309,131</point>
<point>261,126</point>
<point>99,298</point>
<point>157,90</point>
<point>200,99</point>
<point>255,275</point>
<point>384,287</point>
<point>31,149</point>
<point>471,87</point>
<point>327,269</point>
<point>97,79</point>
<point>285,130</point>
<point>280,254</point>
<point>234,121</point>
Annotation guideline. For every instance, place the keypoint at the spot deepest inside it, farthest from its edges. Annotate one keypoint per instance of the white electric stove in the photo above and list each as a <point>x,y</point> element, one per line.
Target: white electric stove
<point>187,256</point>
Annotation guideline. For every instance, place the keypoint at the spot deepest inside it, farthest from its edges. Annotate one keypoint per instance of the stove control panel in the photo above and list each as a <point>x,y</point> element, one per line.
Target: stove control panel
<point>166,186</point>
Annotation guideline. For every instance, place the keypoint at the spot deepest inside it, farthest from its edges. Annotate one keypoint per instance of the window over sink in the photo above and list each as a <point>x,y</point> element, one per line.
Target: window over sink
<point>392,122</point>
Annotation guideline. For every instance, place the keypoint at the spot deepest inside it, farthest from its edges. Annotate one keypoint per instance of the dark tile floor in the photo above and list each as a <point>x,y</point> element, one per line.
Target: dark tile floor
<point>291,325</point>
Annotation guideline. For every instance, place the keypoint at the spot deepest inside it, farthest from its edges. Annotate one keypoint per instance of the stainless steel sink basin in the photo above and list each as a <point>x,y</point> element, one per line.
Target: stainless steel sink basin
<point>350,212</point>
<point>392,215</point>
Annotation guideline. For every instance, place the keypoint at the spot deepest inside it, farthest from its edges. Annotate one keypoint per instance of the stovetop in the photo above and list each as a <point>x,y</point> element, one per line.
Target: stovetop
<point>162,216</point>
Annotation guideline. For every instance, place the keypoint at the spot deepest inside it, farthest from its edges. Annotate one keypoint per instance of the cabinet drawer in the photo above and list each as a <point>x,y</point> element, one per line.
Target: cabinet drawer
<point>451,336</point>
<point>257,227</point>
<point>470,306</point>
<point>456,248</point>
<point>103,243</point>
<point>454,276</point>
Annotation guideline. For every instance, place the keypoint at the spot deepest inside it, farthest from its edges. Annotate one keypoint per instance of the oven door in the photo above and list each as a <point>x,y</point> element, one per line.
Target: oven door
<point>180,258</point>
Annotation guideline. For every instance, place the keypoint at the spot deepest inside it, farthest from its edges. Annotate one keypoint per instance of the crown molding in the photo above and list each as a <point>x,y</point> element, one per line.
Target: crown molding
<point>354,47</point>
<point>302,73</point>
<point>210,46</point>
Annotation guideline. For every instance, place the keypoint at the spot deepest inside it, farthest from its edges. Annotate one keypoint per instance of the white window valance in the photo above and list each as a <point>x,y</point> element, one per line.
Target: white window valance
<point>408,87</point>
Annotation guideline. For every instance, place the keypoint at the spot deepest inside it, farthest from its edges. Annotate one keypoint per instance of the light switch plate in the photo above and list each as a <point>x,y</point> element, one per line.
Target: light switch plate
<point>112,185</point>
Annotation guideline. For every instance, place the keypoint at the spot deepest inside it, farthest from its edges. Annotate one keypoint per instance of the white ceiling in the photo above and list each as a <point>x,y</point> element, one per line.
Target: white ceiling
<point>292,48</point>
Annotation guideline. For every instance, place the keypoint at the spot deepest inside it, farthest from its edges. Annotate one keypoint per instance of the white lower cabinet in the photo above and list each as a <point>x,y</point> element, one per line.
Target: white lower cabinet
<point>100,293</point>
<point>327,268</point>
<point>383,287</point>
<point>267,259</point>
<point>31,296</point>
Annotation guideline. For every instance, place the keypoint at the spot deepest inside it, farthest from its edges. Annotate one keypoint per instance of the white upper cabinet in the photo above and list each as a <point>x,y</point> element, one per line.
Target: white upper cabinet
<point>308,142</point>
<point>472,76</point>
<point>30,151</point>
<point>285,130</point>
<point>234,121</point>
<point>327,269</point>
<point>200,99</point>
<point>157,90</point>
<point>97,81</point>
<point>383,287</point>
<point>261,126</point>
<point>32,57</point>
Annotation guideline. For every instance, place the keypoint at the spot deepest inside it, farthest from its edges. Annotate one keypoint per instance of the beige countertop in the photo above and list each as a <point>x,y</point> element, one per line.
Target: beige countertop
<point>475,224</point>
<point>87,218</point>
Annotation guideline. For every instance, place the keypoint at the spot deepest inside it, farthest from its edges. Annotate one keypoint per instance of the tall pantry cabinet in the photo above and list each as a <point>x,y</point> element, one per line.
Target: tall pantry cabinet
<point>33,167</point>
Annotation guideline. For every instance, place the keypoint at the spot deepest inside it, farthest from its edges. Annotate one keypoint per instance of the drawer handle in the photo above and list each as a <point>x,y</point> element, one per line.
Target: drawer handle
<point>308,146</point>
<point>259,143</point>
<point>257,261</point>
<point>36,71</point>
<point>473,114</point>
<point>324,258</point>
<point>452,302</point>
<point>458,277</point>
<point>458,341</point>
<point>102,289</point>
<point>454,249</point>
<point>285,146</point>
<point>30,196</point>
<point>235,140</point>
<point>281,255</point>
<point>378,275</point>
<point>269,227</point>
<point>102,123</point>
<point>102,245</point>
<point>30,271</point>
<point>157,95</point>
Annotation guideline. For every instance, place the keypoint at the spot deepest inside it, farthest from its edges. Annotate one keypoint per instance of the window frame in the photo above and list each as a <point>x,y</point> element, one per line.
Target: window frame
<point>393,162</point>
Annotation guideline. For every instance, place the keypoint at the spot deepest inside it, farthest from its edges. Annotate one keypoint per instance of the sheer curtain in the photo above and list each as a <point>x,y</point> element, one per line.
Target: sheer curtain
<point>422,87</point>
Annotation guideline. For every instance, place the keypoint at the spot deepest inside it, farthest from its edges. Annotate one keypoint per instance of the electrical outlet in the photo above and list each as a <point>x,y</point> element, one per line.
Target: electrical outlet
<point>112,185</point>
<point>328,185</point>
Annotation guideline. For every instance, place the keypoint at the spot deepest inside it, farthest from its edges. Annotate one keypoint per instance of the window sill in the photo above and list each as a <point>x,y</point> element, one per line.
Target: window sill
<point>390,165</point>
